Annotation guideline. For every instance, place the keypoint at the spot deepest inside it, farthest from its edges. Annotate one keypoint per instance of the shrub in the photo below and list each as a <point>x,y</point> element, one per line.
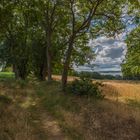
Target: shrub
<point>85,86</point>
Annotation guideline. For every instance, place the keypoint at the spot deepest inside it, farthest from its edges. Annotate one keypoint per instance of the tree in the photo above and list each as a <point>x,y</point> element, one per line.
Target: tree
<point>38,53</point>
<point>131,66</point>
<point>49,15</point>
<point>93,17</point>
<point>46,36</point>
<point>16,36</point>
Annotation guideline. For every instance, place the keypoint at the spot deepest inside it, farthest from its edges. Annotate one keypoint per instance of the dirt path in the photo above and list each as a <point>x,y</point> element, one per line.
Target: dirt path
<point>47,128</point>
<point>51,127</point>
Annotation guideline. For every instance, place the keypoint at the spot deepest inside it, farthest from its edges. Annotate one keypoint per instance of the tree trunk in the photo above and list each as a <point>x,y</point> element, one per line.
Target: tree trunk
<point>48,53</point>
<point>49,67</point>
<point>15,70</point>
<point>66,64</point>
<point>20,71</point>
<point>43,70</point>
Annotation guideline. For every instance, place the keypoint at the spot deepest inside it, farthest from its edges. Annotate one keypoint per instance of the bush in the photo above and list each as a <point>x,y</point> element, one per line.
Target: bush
<point>86,87</point>
<point>7,69</point>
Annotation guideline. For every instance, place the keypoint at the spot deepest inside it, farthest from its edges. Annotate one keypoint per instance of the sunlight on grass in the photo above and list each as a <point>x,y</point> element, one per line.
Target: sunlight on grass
<point>121,91</point>
<point>6,75</point>
<point>28,103</point>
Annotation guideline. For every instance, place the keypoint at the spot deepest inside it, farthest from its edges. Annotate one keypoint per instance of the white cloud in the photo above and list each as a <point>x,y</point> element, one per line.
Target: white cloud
<point>110,53</point>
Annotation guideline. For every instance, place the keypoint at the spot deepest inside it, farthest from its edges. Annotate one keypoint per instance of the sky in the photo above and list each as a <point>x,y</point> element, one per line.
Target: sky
<point>110,53</point>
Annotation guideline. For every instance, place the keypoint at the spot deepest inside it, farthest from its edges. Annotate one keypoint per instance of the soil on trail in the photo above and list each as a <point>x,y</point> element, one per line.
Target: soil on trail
<point>46,127</point>
<point>52,128</point>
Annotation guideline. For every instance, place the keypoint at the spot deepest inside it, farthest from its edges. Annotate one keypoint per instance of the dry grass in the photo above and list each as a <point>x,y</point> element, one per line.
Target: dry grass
<point>58,78</point>
<point>88,119</point>
<point>112,121</point>
<point>42,111</point>
<point>99,121</point>
<point>17,120</point>
<point>122,91</point>
<point>14,123</point>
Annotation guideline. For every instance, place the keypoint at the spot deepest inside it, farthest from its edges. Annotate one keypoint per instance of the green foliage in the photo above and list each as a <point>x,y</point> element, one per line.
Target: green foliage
<point>6,75</point>
<point>28,26</point>
<point>96,75</point>
<point>131,67</point>
<point>86,87</point>
<point>134,10</point>
<point>15,40</point>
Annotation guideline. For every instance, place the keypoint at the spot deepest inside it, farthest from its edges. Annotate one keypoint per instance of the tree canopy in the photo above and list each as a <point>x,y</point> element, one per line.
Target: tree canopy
<point>50,36</point>
<point>131,66</point>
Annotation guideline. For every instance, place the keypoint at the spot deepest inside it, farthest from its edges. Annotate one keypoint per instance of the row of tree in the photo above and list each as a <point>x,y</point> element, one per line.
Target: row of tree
<point>131,66</point>
<point>50,36</point>
<point>96,75</point>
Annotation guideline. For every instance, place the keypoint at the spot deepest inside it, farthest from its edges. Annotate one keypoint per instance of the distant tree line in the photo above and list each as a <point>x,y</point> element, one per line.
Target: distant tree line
<point>96,75</point>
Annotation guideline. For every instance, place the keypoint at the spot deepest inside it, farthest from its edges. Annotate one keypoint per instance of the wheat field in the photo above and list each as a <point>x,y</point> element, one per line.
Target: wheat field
<point>122,91</point>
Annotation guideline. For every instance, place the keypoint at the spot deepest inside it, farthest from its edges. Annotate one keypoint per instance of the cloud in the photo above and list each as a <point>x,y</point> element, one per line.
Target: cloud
<point>110,53</point>
<point>114,53</point>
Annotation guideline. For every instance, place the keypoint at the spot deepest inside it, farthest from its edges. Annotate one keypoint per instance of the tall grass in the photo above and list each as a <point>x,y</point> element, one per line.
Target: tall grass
<point>122,91</point>
<point>14,121</point>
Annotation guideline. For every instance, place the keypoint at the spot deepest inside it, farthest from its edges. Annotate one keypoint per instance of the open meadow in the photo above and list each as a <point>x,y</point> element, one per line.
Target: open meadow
<point>39,110</point>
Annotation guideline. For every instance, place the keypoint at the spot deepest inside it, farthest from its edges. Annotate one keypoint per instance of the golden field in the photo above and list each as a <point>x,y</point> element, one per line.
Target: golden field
<point>118,90</point>
<point>122,90</point>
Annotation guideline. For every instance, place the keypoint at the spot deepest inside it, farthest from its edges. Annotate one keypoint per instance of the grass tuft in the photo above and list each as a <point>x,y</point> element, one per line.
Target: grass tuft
<point>133,103</point>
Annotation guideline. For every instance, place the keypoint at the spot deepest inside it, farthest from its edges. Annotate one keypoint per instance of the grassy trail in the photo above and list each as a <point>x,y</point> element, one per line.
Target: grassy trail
<point>48,126</point>
<point>36,124</point>
<point>40,111</point>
